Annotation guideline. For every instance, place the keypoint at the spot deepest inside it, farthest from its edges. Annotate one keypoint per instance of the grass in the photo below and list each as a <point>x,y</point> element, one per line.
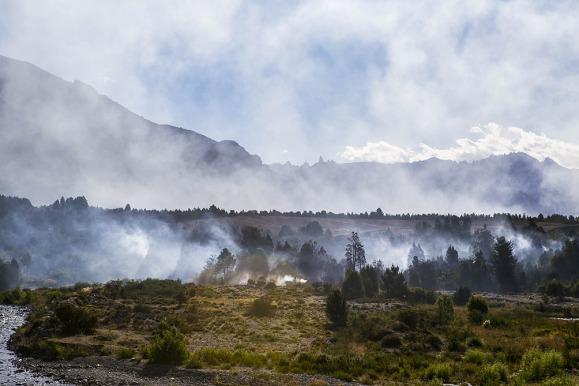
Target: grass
<point>215,327</point>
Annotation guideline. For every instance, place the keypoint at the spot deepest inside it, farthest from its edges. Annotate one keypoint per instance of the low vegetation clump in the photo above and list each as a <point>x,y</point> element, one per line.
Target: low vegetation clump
<point>417,295</point>
<point>438,371</point>
<point>537,365</point>
<point>444,309</point>
<point>461,296</point>
<point>74,319</point>
<point>559,289</point>
<point>168,346</point>
<point>261,307</point>
<point>494,374</point>
<point>477,309</point>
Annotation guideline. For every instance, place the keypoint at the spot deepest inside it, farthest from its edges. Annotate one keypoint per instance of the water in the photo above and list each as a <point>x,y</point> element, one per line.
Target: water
<point>12,317</point>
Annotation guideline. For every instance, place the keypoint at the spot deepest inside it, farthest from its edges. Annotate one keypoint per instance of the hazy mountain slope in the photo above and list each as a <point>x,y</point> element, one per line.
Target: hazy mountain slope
<point>63,138</point>
<point>68,133</point>
<point>514,182</point>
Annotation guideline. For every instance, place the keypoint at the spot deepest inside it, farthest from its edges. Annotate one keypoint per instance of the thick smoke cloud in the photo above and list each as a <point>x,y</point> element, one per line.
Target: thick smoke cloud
<point>59,138</point>
<point>313,77</point>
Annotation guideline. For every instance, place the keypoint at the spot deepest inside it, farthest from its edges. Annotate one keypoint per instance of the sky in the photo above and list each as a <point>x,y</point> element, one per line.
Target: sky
<point>387,81</point>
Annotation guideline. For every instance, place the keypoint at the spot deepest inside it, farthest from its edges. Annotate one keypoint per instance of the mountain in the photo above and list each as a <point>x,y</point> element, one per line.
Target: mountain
<point>63,138</point>
<point>43,112</point>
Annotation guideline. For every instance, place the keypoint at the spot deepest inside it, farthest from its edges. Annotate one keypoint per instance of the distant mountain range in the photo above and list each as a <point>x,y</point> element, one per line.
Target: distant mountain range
<point>63,138</point>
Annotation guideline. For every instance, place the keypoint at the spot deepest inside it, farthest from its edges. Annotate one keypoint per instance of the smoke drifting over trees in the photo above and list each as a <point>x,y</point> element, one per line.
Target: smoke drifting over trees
<point>70,241</point>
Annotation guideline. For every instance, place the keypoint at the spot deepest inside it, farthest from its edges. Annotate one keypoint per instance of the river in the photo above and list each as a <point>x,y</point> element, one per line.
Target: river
<point>12,317</point>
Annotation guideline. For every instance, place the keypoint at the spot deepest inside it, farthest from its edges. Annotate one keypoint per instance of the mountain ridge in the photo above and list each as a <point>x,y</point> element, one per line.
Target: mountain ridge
<point>64,138</point>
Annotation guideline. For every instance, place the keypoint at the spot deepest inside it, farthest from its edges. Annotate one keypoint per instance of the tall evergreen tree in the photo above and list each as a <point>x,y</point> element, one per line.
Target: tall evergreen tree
<point>355,253</point>
<point>371,280</point>
<point>483,240</point>
<point>452,256</point>
<point>225,263</point>
<point>353,287</point>
<point>394,283</point>
<point>504,264</point>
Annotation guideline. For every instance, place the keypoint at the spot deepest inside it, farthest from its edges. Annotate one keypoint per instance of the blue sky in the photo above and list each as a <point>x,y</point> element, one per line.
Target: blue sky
<point>348,80</point>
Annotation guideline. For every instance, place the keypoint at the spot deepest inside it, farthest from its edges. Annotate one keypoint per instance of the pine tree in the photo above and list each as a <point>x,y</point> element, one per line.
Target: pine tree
<point>353,287</point>
<point>394,283</point>
<point>504,264</point>
<point>336,308</point>
<point>355,253</point>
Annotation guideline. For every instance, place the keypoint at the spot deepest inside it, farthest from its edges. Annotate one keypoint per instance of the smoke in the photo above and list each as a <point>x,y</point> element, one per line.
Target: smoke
<point>60,138</point>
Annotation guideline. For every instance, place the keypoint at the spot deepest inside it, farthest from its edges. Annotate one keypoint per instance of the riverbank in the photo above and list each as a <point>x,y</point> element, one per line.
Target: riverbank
<point>105,371</point>
<point>12,370</point>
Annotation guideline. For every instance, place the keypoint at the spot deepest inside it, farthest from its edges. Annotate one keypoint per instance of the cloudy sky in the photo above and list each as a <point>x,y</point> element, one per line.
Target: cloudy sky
<point>347,80</point>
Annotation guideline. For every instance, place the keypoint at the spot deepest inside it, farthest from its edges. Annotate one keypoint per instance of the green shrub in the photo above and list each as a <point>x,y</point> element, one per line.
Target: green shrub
<point>336,308</point>
<point>125,353</point>
<point>270,285</point>
<point>17,296</point>
<point>411,318</point>
<point>444,310</point>
<point>554,287</point>
<point>477,357</point>
<point>172,289</point>
<point>417,295</point>
<point>441,371</point>
<point>261,307</point>
<point>474,342</point>
<point>493,375</point>
<point>461,296</point>
<point>537,365</point>
<point>168,346</point>
<point>477,309</point>
<point>391,341</point>
<point>74,319</point>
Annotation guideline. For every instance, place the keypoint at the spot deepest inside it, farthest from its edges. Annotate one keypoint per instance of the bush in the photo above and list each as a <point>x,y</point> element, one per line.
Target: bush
<point>125,353</point>
<point>261,307</point>
<point>172,289</point>
<point>391,341</point>
<point>444,310</point>
<point>336,308</point>
<point>417,295</point>
<point>270,285</point>
<point>461,296</point>
<point>441,371</point>
<point>554,287</point>
<point>168,346</point>
<point>477,357</point>
<point>493,375</point>
<point>477,309</point>
<point>74,319</point>
<point>537,365</point>
<point>411,318</point>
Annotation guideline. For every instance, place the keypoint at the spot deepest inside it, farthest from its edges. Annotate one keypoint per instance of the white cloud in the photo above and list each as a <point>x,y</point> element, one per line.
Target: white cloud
<point>492,140</point>
<point>314,76</point>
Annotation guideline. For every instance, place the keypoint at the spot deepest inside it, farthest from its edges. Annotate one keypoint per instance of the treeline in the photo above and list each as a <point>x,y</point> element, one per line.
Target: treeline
<point>8,204</point>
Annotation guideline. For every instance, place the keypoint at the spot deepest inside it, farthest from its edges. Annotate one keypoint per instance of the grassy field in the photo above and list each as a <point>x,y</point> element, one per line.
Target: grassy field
<point>285,330</point>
